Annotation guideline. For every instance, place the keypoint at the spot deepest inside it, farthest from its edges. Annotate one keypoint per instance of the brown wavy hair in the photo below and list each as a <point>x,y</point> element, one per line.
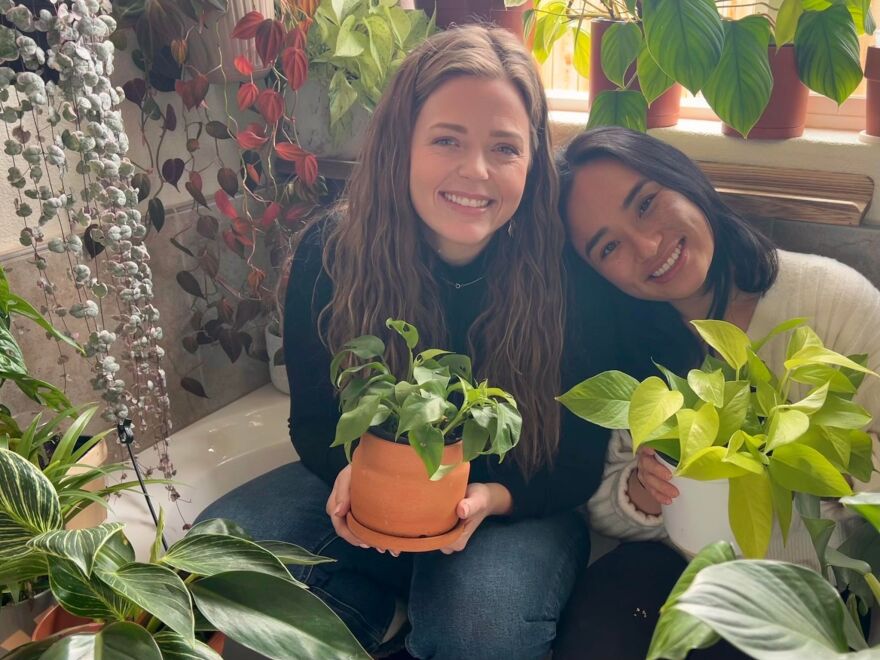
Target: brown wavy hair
<point>381,266</point>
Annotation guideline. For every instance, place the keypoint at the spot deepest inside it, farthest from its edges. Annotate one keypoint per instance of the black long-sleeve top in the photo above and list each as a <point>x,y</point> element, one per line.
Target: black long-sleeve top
<point>589,348</point>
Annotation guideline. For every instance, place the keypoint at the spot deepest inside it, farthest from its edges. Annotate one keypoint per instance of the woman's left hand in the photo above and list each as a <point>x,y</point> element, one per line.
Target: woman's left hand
<point>480,501</point>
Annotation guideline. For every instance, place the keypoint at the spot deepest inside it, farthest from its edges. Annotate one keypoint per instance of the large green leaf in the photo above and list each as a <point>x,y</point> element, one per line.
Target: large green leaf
<point>420,411</point>
<point>867,505</point>
<point>620,46</point>
<point>219,526</point>
<point>427,441</point>
<point>580,57</point>
<point>736,405</point>
<point>785,326</point>
<point>354,423</point>
<point>175,647</point>
<point>685,38</point>
<point>652,404</point>
<point>23,568</point>
<point>739,88</point>
<point>678,633</point>
<point>122,640</point>
<point>709,386</point>
<point>77,545</point>
<point>782,506</point>
<point>710,464</point>
<point>786,426</point>
<point>750,510</point>
<point>473,438</point>
<point>274,617</point>
<point>697,429</point>
<point>653,81</point>
<point>550,25</point>
<point>18,305</point>
<point>811,354</point>
<point>619,108</point>
<point>28,504</point>
<point>786,21</point>
<point>156,589</point>
<point>208,554</point>
<point>288,554</point>
<point>828,52</point>
<point>11,359</point>
<point>82,596</point>
<point>728,340</point>
<point>802,469</point>
<point>769,610</point>
<point>860,10</point>
<point>602,399</point>
<point>841,413</point>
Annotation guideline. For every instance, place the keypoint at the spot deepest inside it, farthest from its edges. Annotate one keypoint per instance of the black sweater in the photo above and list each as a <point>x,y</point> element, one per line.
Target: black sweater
<point>314,411</point>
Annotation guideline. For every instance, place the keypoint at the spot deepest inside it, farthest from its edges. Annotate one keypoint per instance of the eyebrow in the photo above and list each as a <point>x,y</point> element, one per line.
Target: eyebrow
<point>458,128</point>
<point>596,238</point>
<point>631,195</point>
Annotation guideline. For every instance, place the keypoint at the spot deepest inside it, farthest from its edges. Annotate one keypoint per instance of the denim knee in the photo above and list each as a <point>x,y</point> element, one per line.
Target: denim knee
<point>502,596</point>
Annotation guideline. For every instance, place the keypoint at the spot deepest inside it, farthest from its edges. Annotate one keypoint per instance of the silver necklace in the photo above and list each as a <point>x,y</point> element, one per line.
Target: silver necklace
<point>461,285</point>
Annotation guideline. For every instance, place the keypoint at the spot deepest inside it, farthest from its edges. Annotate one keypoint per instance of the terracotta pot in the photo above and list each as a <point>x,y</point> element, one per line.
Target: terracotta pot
<point>461,12</point>
<point>58,619</point>
<point>213,57</point>
<point>662,112</point>
<point>786,114</point>
<point>18,620</point>
<point>872,108</point>
<point>392,495</point>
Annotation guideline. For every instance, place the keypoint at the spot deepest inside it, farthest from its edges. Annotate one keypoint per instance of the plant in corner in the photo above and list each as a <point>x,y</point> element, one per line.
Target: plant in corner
<point>732,420</point>
<point>416,436</point>
<point>214,579</point>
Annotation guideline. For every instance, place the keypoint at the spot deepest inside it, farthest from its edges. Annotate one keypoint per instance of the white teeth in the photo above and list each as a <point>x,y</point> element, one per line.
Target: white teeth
<point>466,201</point>
<point>669,263</point>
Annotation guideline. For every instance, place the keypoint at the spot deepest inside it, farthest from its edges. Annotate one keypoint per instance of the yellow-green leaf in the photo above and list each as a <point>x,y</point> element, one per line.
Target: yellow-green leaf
<point>802,469</point>
<point>652,404</point>
<point>750,509</point>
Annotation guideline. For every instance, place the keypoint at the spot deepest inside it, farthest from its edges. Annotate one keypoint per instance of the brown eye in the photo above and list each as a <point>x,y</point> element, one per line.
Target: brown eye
<point>646,204</point>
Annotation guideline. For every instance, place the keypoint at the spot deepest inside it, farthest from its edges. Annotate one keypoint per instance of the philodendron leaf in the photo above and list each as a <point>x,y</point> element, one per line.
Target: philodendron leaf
<point>209,554</point>
<point>786,21</point>
<point>728,340</point>
<point>580,57</point>
<point>708,386</point>
<point>653,81</point>
<point>750,510</point>
<point>274,617</point>
<point>679,384</point>
<point>620,46</point>
<point>697,429</point>
<point>619,107</point>
<point>366,347</point>
<point>473,438</point>
<point>786,426</point>
<point>288,553</point>
<point>504,432</point>
<point>603,399</point>
<point>122,640</point>
<point>678,633</point>
<point>158,590</point>
<point>769,610</point>
<point>733,414</point>
<point>685,37</point>
<point>739,88</point>
<point>828,52</point>
<point>219,526</point>
<point>652,404</point>
<point>82,596</point>
<point>841,413</point>
<point>406,330</point>
<point>813,401</point>
<point>78,545</point>
<point>420,411</point>
<point>782,505</point>
<point>710,464</point>
<point>354,423</point>
<point>427,441</point>
<point>790,324</point>
<point>867,505</point>
<point>812,354</point>
<point>802,469</point>
<point>28,504</point>
<point>860,10</point>
<point>175,647</point>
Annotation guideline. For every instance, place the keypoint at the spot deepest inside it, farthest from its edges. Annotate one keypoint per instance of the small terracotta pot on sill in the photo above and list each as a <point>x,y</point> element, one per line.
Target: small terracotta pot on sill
<point>872,103</point>
<point>786,113</point>
<point>58,619</point>
<point>662,113</point>
<point>395,506</point>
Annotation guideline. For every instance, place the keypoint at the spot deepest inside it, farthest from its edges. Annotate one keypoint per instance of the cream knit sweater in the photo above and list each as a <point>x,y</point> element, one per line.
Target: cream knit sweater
<point>843,307</point>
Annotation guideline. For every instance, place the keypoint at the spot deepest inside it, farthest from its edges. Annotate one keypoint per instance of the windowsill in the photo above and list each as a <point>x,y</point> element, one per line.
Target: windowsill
<point>819,149</point>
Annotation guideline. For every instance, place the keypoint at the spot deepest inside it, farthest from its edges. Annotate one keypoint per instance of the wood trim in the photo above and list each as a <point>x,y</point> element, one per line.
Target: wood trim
<point>837,198</point>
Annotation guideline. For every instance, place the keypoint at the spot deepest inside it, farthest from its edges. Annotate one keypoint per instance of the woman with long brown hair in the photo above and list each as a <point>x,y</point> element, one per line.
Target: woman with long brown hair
<point>449,221</point>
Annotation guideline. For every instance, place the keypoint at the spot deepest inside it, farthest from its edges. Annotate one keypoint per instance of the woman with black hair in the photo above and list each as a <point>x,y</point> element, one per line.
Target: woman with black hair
<point>647,219</point>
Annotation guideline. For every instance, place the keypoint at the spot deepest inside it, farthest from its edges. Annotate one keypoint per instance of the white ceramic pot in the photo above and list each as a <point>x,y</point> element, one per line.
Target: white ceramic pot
<point>278,373</point>
<point>312,114</point>
<point>215,57</point>
<point>698,516</point>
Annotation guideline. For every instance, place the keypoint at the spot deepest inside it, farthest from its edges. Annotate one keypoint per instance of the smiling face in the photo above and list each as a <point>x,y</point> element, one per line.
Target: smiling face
<point>469,161</point>
<point>651,242</point>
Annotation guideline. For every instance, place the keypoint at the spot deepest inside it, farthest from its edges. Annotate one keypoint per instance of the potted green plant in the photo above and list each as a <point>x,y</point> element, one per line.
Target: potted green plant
<point>627,87</point>
<point>729,426</point>
<point>767,609</point>
<point>509,14</point>
<point>215,579</point>
<point>416,435</point>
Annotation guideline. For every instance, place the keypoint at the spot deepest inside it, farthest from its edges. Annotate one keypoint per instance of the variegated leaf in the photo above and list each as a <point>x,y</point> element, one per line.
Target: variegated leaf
<point>156,589</point>
<point>209,554</point>
<point>28,504</point>
<point>175,647</point>
<point>114,554</point>
<point>123,640</point>
<point>86,597</point>
<point>78,545</point>
<point>23,568</point>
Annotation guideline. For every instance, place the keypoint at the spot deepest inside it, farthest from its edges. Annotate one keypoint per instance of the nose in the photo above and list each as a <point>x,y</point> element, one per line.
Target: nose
<point>646,244</point>
<point>473,165</point>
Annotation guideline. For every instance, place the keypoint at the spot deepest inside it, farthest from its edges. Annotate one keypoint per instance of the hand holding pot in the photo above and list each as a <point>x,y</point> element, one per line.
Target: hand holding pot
<point>653,478</point>
<point>338,505</point>
<point>480,501</point>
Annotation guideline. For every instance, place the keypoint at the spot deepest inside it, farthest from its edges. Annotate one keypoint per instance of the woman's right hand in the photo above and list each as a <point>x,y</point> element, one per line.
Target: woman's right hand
<point>653,478</point>
<point>339,504</point>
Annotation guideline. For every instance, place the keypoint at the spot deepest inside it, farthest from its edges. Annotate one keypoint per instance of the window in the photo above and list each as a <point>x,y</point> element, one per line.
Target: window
<point>569,91</point>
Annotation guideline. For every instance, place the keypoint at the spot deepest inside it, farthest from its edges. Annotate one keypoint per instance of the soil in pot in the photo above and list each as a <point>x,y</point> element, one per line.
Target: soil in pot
<point>395,506</point>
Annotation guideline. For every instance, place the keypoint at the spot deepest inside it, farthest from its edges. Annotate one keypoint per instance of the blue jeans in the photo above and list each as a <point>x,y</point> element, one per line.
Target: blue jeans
<point>499,598</point>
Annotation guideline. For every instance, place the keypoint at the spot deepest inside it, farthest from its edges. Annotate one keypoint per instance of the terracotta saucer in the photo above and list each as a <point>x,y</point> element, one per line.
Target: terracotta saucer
<point>400,543</point>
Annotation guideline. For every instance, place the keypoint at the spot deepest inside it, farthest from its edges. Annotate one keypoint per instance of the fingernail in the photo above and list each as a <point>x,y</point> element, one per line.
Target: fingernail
<point>337,510</point>
<point>364,546</point>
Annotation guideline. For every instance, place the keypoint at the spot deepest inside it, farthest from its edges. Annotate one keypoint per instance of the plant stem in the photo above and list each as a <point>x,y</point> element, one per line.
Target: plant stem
<point>874,584</point>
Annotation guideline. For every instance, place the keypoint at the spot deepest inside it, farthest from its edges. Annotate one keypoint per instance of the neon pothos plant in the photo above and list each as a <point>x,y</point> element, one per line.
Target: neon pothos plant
<point>732,419</point>
<point>436,402</point>
<point>767,609</point>
<point>214,579</point>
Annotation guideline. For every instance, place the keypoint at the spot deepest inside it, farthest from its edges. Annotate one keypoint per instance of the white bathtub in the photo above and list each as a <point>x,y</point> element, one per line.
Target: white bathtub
<point>240,441</point>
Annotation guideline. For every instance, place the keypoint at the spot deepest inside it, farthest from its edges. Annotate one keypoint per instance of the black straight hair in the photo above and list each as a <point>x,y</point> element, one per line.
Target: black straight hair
<point>743,256</point>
